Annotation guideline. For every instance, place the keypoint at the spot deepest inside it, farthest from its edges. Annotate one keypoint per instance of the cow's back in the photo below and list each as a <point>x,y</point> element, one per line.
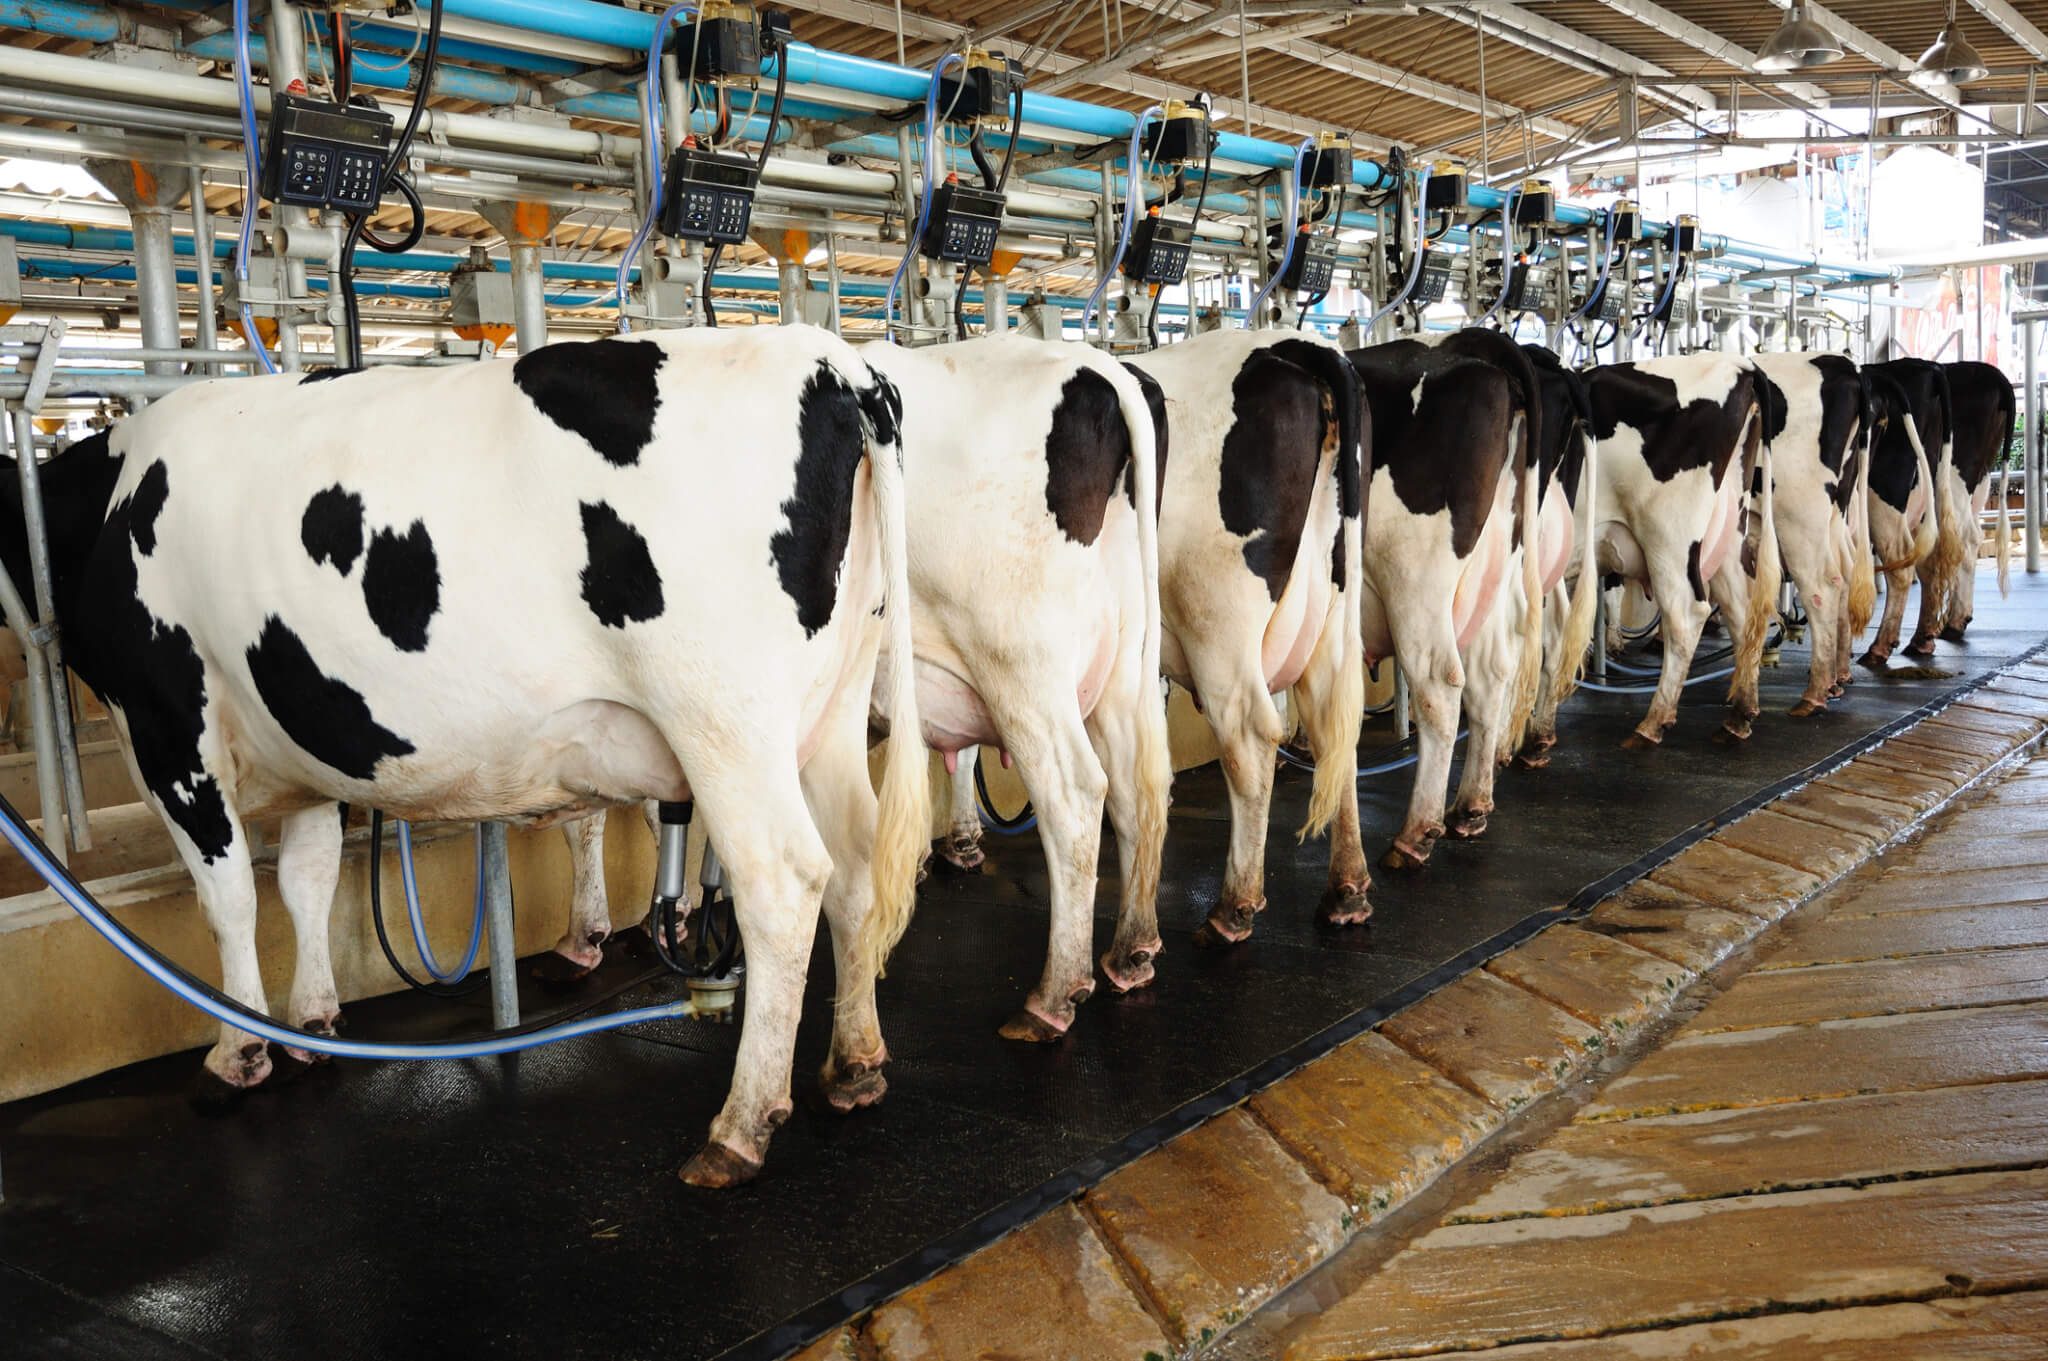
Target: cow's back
<point>1984,408</point>
<point>1440,429</point>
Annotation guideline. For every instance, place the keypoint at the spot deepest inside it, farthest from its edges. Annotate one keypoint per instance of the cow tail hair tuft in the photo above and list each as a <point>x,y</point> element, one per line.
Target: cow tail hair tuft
<point>1155,761</point>
<point>1862,561</point>
<point>1769,575</point>
<point>1926,534</point>
<point>903,821</point>
<point>1340,652</point>
<point>1528,676</point>
<point>1585,598</point>
<point>2004,510</point>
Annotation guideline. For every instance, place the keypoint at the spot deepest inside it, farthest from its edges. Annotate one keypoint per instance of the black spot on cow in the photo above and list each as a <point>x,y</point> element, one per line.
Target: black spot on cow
<point>1924,388</point>
<point>1086,449</point>
<point>328,718</point>
<point>605,391</point>
<point>324,375</point>
<point>1702,433</point>
<point>1984,410</point>
<point>1446,452</point>
<point>1894,468</point>
<point>1844,414</point>
<point>1330,368</point>
<point>1567,421</point>
<point>145,503</point>
<point>620,582</point>
<point>402,585</point>
<point>819,513</point>
<point>1771,404</point>
<point>76,486</point>
<point>332,528</point>
<point>1270,457</point>
<point>1155,402</point>
<point>146,667</point>
<point>1692,571</point>
<point>882,404</point>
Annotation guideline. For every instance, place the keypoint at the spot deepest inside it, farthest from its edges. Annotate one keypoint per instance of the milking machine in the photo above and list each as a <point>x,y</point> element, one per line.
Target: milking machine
<point>707,958</point>
<point>1157,248</point>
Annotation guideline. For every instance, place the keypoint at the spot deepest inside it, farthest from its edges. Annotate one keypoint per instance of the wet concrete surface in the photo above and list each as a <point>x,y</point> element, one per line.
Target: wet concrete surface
<point>528,1206</point>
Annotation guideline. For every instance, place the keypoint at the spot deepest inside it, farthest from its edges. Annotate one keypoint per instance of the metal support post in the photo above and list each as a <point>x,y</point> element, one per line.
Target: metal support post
<point>1599,633</point>
<point>1400,703</point>
<point>2030,446</point>
<point>206,332</point>
<point>498,913</point>
<point>526,227</point>
<point>150,193</point>
<point>285,36</point>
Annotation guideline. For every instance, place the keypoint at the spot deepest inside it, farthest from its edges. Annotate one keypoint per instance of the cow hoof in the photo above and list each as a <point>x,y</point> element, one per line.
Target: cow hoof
<point>288,1065</point>
<point>1839,688</point>
<point>1406,856</point>
<point>1228,924</point>
<point>716,1167</point>
<point>1031,1028</point>
<point>1733,732</point>
<point>957,854</point>
<point>1133,969</point>
<point>1920,647</point>
<point>855,1085</point>
<point>213,1096</point>
<point>1467,823</point>
<point>1642,741</point>
<point>560,969</point>
<point>1874,659</point>
<point>1806,708</point>
<point>1535,753</point>
<point>1952,634</point>
<point>1344,905</point>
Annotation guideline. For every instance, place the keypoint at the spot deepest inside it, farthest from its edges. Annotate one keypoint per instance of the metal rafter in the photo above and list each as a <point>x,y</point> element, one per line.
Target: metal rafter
<point>1700,39</point>
<point>1853,38</point>
<point>1569,47</point>
<point>2014,26</point>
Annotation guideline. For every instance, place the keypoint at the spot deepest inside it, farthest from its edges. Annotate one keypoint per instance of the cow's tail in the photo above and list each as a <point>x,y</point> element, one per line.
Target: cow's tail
<point>1769,576</point>
<point>1862,561</point>
<point>2005,511</point>
<point>1928,532</point>
<point>1578,620</point>
<point>1528,676</point>
<point>1154,760</point>
<point>902,824</point>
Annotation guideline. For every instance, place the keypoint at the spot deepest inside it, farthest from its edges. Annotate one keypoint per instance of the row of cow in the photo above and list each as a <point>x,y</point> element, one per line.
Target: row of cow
<point>717,565</point>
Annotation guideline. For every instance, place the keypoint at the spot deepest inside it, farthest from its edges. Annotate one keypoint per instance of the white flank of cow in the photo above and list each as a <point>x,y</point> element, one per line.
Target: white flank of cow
<point>1255,498</point>
<point>608,572</point>
<point>1031,476</point>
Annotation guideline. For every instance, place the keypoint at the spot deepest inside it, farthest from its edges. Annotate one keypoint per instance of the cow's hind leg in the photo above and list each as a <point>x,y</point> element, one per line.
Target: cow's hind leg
<point>1426,645</point>
<point>842,803</point>
<point>1683,613</point>
<point>1729,591</point>
<point>1542,735</point>
<point>960,847</point>
<point>1897,582</point>
<point>1054,759</point>
<point>1128,730</point>
<point>308,868</point>
<point>1248,730</point>
<point>1333,738</point>
<point>1489,678</point>
<point>581,948</point>
<point>777,865</point>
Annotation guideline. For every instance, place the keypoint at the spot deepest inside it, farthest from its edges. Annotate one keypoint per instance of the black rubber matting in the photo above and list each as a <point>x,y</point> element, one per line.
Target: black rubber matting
<point>528,1206</point>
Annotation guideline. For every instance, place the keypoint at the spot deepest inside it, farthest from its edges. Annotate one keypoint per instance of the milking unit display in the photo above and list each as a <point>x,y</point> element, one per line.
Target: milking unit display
<point>744,133</point>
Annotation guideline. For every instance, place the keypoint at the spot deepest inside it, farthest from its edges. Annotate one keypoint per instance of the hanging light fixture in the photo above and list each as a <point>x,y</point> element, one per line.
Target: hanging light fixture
<point>1800,42</point>
<point>1952,60</point>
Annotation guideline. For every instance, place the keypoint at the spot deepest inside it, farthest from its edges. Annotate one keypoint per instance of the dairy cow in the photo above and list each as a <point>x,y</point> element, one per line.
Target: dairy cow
<point>1912,527</point>
<point>1570,581</point>
<point>286,608</point>
<point>1031,474</point>
<point>1453,485</point>
<point>1984,411</point>
<point>1817,459</point>
<point>1259,568</point>
<point>1685,509</point>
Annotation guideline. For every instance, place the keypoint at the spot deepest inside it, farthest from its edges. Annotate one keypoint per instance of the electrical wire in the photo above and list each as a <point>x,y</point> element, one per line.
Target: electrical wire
<point>1507,254</point>
<point>419,33</point>
<point>651,133</point>
<point>1599,289</point>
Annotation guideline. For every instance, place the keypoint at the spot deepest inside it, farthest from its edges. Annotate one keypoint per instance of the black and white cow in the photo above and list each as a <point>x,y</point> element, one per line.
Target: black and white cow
<point>1259,564</point>
<point>1984,409</point>
<point>1924,386</point>
<point>1570,578</point>
<point>1818,466</point>
<point>1686,510</point>
<point>1031,476</point>
<point>1452,486</point>
<point>1898,504</point>
<point>606,572</point>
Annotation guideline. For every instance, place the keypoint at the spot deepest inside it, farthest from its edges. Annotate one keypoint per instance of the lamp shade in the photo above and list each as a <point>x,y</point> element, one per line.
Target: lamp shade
<point>1800,42</point>
<point>1951,61</point>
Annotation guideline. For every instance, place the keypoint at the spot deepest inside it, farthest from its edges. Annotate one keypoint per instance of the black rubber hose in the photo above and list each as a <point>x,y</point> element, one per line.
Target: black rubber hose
<point>358,223</point>
<point>981,162</point>
<point>443,990</point>
<point>710,269</point>
<point>988,807</point>
<point>1016,131</point>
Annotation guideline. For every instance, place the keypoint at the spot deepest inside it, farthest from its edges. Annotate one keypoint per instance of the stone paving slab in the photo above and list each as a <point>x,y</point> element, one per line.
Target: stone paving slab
<point>1840,938</point>
<point>1919,792</point>
<point>1878,819</point>
<point>1604,981</point>
<point>1954,736</point>
<point>1719,874</point>
<point>1489,1036</point>
<point>1991,720</point>
<point>1217,1222</point>
<point>1052,1289</point>
<point>840,1345</point>
<point>1820,850</point>
<point>1832,1059</point>
<point>1591,1168</point>
<point>1478,1285</point>
<point>1672,924</point>
<point>1950,769</point>
<point>2008,849</point>
<point>1374,1123</point>
<point>1976,1328</point>
<point>1882,987</point>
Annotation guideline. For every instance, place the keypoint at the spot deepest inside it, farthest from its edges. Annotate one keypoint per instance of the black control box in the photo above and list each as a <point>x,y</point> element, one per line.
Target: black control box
<point>1685,235</point>
<point>728,41</point>
<point>981,91</point>
<point>319,154</point>
<point>1435,280</point>
<point>1610,308</point>
<point>962,225</point>
<point>1313,267</point>
<point>1448,191</point>
<point>1324,167</point>
<point>1179,141</point>
<point>1158,253</point>
<point>1535,208</point>
<point>1515,288</point>
<point>708,196</point>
